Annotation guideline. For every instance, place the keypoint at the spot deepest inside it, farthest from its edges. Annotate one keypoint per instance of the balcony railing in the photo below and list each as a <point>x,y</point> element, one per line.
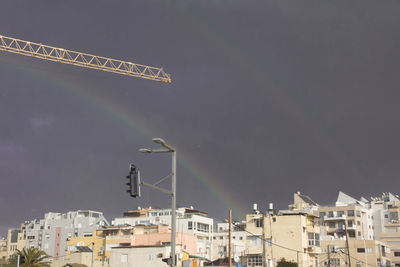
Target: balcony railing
<point>335,217</point>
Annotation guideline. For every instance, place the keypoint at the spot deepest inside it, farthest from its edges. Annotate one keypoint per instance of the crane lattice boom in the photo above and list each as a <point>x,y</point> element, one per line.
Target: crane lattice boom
<point>82,59</point>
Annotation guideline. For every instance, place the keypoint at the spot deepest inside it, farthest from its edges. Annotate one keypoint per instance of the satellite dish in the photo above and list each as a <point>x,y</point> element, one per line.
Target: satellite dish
<point>236,258</point>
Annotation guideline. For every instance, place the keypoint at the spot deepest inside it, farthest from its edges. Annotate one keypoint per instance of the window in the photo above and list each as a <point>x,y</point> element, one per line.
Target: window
<point>350,223</point>
<point>340,213</point>
<point>330,214</point>
<point>221,237</point>
<point>394,217</point>
<point>241,238</point>
<point>397,253</point>
<point>358,213</point>
<point>359,234</point>
<point>124,257</point>
<point>258,222</point>
<point>190,225</point>
<point>254,260</point>
<point>350,213</point>
<point>335,262</point>
<point>386,216</point>
<point>352,234</point>
<point>358,223</point>
<point>255,241</point>
<point>360,250</point>
<point>332,224</point>
<point>341,225</point>
<point>322,214</point>
<point>313,239</point>
<point>202,227</point>
<point>214,237</point>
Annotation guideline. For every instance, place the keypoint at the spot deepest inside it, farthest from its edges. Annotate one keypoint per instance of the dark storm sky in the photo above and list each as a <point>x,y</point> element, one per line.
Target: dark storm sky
<point>268,98</point>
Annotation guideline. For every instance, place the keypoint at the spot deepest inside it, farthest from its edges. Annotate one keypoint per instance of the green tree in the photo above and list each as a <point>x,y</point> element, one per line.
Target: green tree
<point>283,263</point>
<point>33,257</point>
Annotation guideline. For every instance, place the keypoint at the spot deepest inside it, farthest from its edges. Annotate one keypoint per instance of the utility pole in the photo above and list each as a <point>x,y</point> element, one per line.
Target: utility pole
<point>329,256</point>
<point>264,254</point>
<point>230,238</point>
<point>92,253</point>
<point>347,243</point>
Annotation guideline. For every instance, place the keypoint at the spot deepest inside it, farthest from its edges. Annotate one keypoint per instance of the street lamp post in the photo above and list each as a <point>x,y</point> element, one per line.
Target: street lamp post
<point>168,149</point>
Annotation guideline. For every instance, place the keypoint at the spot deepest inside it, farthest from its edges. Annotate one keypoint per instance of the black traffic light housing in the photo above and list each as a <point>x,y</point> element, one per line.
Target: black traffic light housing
<point>133,181</point>
<point>168,261</point>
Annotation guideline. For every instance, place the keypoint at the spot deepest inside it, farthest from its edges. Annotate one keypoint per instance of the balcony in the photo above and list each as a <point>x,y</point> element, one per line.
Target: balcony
<point>392,223</point>
<point>113,237</point>
<point>353,227</point>
<point>335,217</point>
<point>314,249</point>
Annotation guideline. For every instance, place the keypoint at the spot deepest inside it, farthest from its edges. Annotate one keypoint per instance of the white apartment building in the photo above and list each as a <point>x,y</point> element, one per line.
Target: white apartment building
<point>189,221</point>
<point>349,214</point>
<point>221,240</point>
<point>386,211</point>
<point>51,233</point>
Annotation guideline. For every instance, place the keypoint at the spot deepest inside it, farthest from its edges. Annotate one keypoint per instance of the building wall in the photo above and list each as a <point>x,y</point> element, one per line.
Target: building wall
<point>189,221</point>
<point>363,253</point>
<point>186,241</point>
<point>3,249</point>
<point>359,221</point>
<point>15,240</point>
<point>139,256</point>
<point>286,235</point>
<point>221,240</point>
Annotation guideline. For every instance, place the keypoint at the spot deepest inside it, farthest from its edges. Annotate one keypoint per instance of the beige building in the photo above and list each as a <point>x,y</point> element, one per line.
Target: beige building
<point>144,256</point>
<point>15,240</point>
<point>290,234</point>
<point>363,253</point>
<point>3,250</point>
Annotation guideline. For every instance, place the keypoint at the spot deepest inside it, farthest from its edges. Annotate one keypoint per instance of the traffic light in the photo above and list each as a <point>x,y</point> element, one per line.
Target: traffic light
<point>168,261</point>
<point>133,181</point>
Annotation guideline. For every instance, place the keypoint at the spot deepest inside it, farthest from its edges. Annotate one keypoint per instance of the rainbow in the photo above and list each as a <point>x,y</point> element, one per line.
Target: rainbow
<point>134,122</point>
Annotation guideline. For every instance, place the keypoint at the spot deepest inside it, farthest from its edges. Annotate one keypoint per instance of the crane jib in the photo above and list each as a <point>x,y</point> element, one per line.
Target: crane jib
<point>61,55</point>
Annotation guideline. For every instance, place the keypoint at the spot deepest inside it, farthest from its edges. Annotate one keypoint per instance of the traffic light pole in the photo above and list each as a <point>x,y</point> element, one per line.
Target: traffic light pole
<point>169,149</point>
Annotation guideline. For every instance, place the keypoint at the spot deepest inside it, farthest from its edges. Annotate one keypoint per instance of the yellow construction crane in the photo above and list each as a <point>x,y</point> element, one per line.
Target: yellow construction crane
<point>82,59</point>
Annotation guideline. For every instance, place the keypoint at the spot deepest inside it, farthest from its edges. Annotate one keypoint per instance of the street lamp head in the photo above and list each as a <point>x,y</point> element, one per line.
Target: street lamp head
<point>159,141</point>
<point>145,150</point>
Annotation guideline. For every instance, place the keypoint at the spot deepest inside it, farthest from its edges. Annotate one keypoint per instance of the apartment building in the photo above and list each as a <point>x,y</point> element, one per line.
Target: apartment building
<point>189,221</point>
<point>290,234</point>
<point>51,233</point>
<point>386,223</point>
<point>15,240</point>
<point>3,249</point>
<point>221,240</point>
<point>107,238</point>
<point>363,253</point>
<point>348,214</point>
